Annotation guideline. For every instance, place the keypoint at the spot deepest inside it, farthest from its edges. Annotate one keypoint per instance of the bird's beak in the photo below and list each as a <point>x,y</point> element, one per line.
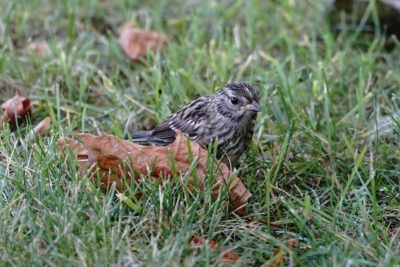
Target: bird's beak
<point>255,107</point>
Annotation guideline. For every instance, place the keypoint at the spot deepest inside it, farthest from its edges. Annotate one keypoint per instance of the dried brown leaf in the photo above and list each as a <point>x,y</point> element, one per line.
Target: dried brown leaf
<point>198,241</point>
<point>135,42</point>
<point>230,257</point>
<point>227,255</point>
<point>39,47</point>
<point>280,254</point>
<point>15,109</point>
<point>109,153</point>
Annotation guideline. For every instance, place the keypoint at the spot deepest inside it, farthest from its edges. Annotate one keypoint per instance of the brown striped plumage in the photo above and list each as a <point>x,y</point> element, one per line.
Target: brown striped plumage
<point>226,117</point>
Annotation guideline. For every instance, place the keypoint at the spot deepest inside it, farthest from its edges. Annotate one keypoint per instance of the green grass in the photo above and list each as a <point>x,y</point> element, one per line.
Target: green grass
<point>318,170</point>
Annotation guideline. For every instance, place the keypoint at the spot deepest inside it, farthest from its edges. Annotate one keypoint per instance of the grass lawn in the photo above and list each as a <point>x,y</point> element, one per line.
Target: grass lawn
<point>320,170</point>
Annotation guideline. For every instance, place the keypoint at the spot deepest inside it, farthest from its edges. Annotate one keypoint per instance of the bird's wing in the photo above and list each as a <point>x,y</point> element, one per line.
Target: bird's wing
<point>191,120</point>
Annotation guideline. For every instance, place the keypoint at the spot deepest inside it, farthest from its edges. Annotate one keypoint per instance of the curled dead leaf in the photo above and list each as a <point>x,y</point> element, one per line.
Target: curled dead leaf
<point>40,129</point>
<point>227,255</point>
<point>39,47</point>
<point>230,257</point>
<point>280,254</point>
<point>15,109</point>
<point>136,42</point>
<point>198,241</point>
<point>109,153</point>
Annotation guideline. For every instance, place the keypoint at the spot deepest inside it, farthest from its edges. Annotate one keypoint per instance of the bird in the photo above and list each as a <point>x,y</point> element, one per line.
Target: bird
<point>226,117</point>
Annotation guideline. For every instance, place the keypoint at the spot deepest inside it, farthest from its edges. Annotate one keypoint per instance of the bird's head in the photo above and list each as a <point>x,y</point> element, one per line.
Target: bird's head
<point>237,101</point>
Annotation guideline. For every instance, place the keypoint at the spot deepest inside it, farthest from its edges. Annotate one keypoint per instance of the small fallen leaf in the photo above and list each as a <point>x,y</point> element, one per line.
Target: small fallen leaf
<point>135,42</point>
<point>230,257</point>
<point>40,129</point>
<point>199,241</point>
<point>39,47</point>
<point>280,254</point>
<point>106,154</point>
<point>14,110</point>
<point>227,255</point>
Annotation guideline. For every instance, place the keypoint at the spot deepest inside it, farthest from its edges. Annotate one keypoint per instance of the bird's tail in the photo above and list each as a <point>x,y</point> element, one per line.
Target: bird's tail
<point>147,138</point>
<point>140,137</point>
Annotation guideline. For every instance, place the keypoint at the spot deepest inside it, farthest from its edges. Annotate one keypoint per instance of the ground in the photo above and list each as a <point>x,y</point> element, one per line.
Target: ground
<point>320,170</point>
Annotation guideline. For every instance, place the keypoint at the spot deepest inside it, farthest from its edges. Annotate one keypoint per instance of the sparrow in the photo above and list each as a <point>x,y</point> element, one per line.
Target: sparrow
<point>226,117</point>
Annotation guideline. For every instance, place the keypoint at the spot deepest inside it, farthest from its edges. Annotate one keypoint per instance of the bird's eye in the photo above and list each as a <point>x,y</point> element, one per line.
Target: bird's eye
<point>234,100</point>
